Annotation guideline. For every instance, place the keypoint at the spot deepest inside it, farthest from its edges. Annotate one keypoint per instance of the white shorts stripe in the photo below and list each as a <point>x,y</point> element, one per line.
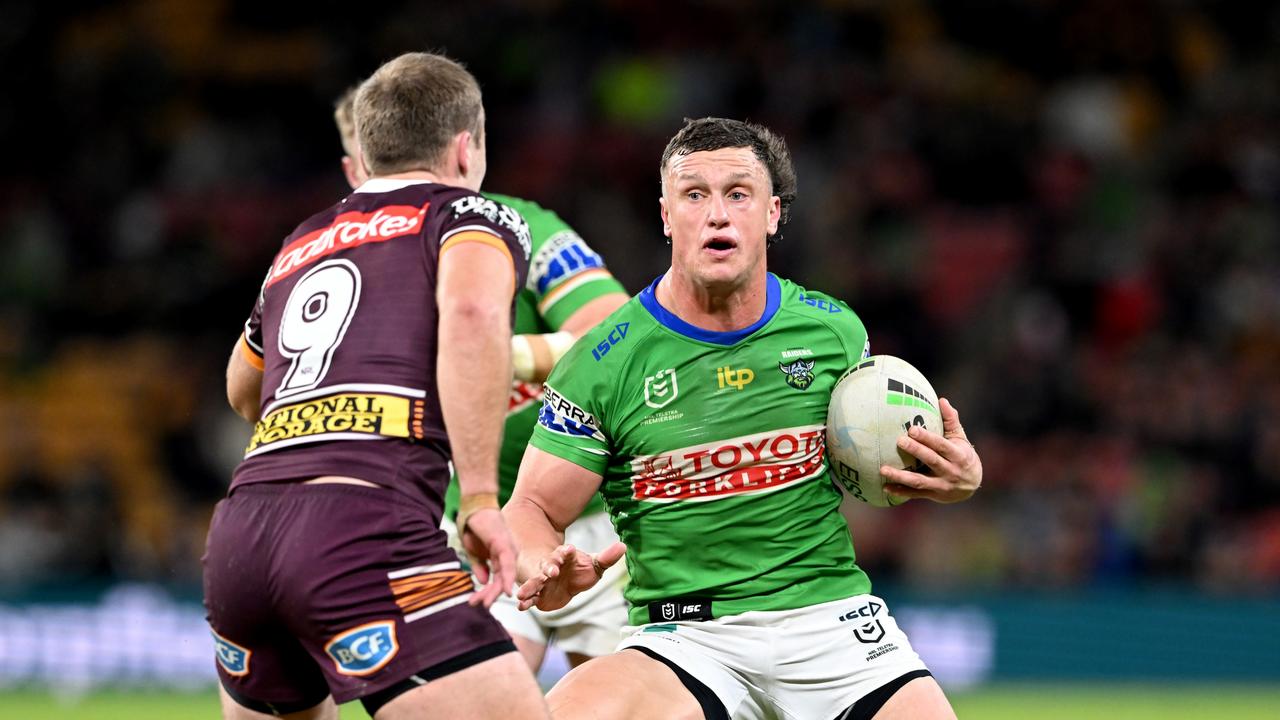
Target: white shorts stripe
<point>437,607</point>
<point>422,570</point>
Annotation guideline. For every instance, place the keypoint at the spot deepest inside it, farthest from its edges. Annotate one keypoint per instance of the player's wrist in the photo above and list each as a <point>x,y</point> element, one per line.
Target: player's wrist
<point>472,503</point>
<point>533,355</point>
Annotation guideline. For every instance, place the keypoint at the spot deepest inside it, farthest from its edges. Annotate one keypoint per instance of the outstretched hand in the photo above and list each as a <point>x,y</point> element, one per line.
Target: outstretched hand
<point>488,543</point>
<point>957,469</point>
<point>564,573</point>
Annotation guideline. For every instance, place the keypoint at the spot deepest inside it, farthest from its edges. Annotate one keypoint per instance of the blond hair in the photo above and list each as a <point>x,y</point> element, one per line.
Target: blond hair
<point>344,117</point>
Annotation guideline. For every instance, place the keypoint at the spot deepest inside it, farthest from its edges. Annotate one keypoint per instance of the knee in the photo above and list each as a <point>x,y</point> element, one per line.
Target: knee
<point>579,698</point>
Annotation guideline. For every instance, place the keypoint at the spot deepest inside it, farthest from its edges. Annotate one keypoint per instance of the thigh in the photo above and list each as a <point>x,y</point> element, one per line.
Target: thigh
<point>921,698</point>
<point>500,688</point>
<point>261,665</point>
<point>626,685</point>
<point>233,710</point>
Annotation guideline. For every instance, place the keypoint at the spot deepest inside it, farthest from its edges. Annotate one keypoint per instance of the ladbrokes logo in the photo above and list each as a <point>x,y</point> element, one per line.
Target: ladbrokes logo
<point>758,463</point>
<point>350,229</point>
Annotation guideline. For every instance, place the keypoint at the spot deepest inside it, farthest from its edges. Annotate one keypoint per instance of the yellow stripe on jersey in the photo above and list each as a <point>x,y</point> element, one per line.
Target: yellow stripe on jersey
<point>558,293</point>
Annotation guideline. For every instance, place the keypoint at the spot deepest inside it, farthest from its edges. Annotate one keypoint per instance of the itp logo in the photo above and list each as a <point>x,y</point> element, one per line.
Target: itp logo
<point>734,378</point>
<point>233,658</point>
<point>365,649</point>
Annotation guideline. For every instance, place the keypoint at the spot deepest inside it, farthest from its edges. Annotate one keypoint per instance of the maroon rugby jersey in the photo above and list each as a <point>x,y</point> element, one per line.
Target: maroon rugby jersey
<point>345,330</point>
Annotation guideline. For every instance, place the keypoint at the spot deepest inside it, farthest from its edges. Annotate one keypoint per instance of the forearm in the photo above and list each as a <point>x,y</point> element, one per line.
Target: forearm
<point>550,494</point>
<point>474,379</point>
<point>535,534</point>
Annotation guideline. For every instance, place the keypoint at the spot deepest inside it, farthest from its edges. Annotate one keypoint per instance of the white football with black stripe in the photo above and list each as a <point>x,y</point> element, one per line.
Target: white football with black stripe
<point>872,405</point>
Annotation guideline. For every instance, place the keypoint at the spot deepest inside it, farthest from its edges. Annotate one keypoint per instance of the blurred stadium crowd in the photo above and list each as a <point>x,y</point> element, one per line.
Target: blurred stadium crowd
<point>1066,214</point>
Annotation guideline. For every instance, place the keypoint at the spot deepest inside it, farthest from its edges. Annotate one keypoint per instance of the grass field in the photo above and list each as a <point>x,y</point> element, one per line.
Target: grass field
<point>1007,702</point>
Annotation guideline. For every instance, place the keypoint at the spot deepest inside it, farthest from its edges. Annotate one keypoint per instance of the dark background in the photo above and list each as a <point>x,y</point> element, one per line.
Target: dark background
<point>1064,213</point>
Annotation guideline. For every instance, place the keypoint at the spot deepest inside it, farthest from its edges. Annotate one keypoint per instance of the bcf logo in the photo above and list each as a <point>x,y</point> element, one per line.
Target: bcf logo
<point>364,650</point>
<point>233,658</point>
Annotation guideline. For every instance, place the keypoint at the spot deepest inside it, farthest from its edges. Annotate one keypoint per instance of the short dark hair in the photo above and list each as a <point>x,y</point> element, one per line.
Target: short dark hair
<point>711,133</point>
<point>407,111</point>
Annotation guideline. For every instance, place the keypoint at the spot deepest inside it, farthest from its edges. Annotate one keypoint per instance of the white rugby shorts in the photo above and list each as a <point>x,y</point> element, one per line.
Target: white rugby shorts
<point>802,664</point>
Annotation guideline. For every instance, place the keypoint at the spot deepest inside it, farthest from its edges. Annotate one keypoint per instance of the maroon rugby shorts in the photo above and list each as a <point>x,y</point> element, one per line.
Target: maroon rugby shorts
<point>335,589</point>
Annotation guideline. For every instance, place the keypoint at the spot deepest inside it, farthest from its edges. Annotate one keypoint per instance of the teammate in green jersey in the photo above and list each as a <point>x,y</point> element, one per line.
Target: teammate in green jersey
<point>698,411</point>
<point>568,292</point>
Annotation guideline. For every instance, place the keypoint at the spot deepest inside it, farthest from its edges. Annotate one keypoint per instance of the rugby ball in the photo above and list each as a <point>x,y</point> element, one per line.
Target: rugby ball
<point>872,405</point>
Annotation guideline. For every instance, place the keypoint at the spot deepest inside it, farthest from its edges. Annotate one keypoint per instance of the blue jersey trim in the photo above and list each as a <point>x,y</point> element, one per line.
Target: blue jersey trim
<point>773,299</point>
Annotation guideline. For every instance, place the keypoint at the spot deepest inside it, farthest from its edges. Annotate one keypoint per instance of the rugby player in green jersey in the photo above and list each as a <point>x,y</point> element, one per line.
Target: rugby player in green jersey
<point>568,292</point>
<point>687,410</point>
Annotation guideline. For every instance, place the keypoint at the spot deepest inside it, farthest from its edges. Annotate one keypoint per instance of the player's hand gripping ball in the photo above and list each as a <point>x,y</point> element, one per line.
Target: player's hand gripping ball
<point>873,404</point>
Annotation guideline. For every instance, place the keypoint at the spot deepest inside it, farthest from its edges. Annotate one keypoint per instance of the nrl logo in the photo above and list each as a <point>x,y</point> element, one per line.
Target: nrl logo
<point>799,374</point>
<point>661,389</point>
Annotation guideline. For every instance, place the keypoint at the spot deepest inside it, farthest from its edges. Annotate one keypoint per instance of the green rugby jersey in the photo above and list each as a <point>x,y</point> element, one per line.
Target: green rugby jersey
<point>564,274</point>
<point>711,449</point>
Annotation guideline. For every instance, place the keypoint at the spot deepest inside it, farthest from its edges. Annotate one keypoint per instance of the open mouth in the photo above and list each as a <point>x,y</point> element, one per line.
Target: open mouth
<point>719,245</point>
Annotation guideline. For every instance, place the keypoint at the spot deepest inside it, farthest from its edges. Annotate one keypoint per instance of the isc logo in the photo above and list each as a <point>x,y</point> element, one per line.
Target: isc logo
<point>866,611</point>
<point>727,376</point>
<point>233,658</point>
<point>615,336</point>
<point>821,304</point>
<point>364,650</point>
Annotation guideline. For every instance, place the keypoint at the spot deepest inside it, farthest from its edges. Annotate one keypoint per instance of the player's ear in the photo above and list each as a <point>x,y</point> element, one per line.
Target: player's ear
<point>666,222</point>
<point>463,152</point>
<point>775,214</point>
<point>350,171</point>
